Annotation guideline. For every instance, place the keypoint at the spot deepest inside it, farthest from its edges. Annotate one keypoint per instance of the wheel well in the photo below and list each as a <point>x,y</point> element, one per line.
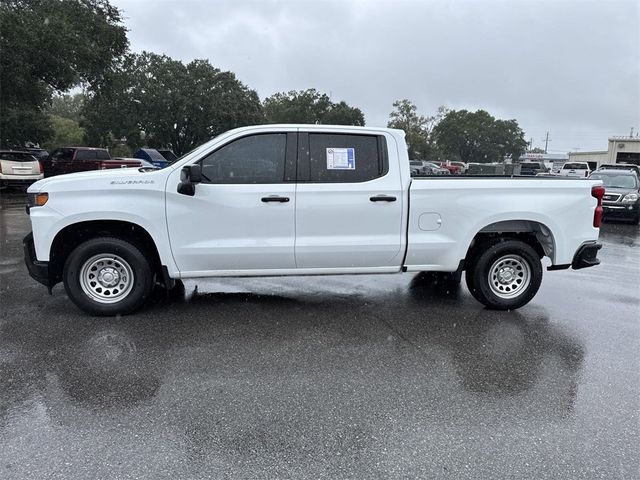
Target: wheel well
<point>71,236</point>
<point>537,235</point>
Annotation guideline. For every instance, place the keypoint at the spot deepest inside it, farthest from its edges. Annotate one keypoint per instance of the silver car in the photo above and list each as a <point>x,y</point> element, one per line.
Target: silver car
<point>19,169</point>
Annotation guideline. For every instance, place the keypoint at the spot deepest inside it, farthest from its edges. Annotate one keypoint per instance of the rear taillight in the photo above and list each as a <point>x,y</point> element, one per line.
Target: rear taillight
<point>40,166</point>
<point>597,192</point>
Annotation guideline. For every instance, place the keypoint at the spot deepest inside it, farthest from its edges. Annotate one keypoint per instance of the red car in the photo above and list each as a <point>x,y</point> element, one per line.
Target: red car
<point>81,159</point>
<point>453,169</point>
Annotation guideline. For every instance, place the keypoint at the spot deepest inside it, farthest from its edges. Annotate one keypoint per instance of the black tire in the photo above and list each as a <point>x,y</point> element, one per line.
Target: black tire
<point>522,270</point>
<point>123,262</point>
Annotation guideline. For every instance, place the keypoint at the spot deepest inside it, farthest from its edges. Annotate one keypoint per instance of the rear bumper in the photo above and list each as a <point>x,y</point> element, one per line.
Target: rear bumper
<point>39,271</point>
<point>7,181</point>
<point>586,256</point>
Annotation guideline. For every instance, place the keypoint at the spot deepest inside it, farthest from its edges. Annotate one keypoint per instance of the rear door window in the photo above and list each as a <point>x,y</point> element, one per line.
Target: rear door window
<point>341,158</point>
<point>85,155</point>
<point>102,155</point>
<point>89,155</point>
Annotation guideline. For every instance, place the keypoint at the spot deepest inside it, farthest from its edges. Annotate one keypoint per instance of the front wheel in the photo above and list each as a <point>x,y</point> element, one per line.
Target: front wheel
<point>107,276</point>
<point>505,276</point>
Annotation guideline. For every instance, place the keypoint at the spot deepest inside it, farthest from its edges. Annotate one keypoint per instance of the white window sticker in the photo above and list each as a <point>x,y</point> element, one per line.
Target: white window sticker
<point>341,158</point>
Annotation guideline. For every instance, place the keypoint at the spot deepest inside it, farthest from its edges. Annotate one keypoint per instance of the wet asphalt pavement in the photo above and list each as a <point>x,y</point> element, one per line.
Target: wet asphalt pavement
<point>330,377</point>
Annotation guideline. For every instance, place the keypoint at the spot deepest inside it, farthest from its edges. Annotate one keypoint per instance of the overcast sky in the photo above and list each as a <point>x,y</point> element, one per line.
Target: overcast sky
<point>568,67</point>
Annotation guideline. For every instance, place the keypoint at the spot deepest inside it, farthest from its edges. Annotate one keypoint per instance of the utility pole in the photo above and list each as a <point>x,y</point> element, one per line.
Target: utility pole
<point>531,143</point>
<point>546,143</point>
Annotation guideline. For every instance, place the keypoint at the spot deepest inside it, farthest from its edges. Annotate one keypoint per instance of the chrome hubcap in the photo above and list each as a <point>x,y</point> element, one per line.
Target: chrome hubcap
<point>106,278</point>
<point>509,276</point>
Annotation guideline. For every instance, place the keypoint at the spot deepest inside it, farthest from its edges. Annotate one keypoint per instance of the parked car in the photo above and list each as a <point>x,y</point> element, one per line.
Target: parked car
<point>436,170</point>
<point>418,168</point>
<point>575,169</point>
<point>153,156</point>
<point>345,204</point>
<point>532,168</point>
<point>621,166</point>
<point>168,154</point>
<point>622,193</point>
<point>463,166</point>
<point>19,169</point>
<point>81,159</point>
<point>453,169</point>
<point>143,163</point>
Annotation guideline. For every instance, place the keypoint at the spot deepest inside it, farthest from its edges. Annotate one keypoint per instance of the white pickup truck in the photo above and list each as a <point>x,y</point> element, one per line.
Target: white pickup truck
<point>278,200</point>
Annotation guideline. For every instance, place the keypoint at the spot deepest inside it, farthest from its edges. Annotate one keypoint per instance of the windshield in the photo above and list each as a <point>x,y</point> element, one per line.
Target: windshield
<point>155,155</point>
<point>202,148</point>
<point>575,166</point>
<point>616,181</point>
<point>415,164</point>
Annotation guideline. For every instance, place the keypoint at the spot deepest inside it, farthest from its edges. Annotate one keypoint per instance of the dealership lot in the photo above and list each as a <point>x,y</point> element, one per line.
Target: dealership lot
<point>355,376</point>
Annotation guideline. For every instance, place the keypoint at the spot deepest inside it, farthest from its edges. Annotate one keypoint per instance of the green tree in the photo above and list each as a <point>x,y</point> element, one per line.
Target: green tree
<point>160,102</point>
<point>310,106</point>
<point>478,137</point>
<point>50,46</point>
<point>66,132</point>
<point>536,150</point>
<point>418,128</point>
<point>67,106</point>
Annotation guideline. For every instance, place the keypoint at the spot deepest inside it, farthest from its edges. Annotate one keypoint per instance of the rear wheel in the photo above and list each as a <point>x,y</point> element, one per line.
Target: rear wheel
<point>107,276</point>
<point>505,276</point>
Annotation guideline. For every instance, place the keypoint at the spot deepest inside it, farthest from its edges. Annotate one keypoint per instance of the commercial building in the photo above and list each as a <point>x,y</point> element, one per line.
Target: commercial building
<point>621,150</point>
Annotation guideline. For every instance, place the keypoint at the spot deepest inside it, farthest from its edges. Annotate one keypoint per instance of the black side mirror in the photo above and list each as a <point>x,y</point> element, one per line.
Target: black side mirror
<point>189,176</point>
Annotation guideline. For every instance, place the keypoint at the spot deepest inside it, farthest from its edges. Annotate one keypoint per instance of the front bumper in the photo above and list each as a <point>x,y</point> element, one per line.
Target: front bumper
<point>586,256</point>
<point>621,210</point>
<point>38,270</point>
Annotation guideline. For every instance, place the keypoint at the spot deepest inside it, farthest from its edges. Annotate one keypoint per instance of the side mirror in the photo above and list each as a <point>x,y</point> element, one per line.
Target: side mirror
<point>189,176</point>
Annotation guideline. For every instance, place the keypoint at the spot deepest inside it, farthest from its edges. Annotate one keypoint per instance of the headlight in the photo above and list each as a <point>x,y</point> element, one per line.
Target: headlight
<point>630,198</point>
<point>37,199</point>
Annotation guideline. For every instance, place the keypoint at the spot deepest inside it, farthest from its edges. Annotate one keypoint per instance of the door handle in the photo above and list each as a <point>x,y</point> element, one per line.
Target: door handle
<point>275,198</point>
<point>382,198</point>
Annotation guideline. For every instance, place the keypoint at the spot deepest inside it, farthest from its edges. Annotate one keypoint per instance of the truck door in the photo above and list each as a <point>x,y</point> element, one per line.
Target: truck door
<point>241,217</point>
<point>348,202</point>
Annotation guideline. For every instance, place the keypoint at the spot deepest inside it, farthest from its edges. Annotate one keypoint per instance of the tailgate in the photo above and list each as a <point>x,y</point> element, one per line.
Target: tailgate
<point>10,167</point>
